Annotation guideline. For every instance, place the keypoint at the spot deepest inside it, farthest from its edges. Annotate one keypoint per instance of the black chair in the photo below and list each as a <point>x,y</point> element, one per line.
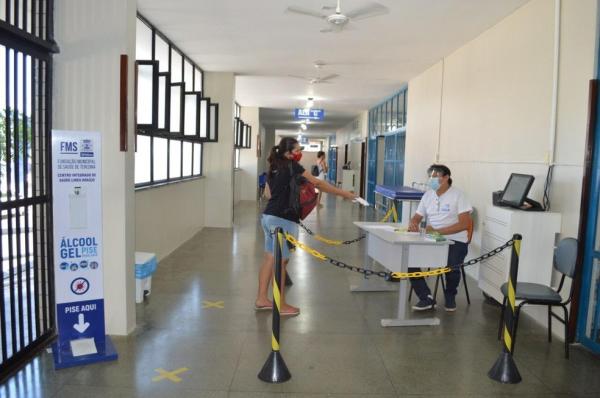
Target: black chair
<point>462,271</point>
<point>565,257</point>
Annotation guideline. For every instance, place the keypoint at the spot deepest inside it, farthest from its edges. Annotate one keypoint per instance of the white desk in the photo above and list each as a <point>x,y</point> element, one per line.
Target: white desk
<point>397,252</point>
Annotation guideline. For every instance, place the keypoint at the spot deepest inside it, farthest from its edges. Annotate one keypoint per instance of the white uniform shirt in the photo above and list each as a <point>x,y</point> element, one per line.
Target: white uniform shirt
<point>442,211</point>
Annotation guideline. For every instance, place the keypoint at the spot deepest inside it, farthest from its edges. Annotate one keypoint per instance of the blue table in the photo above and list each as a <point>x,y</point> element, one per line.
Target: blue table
<point>396,195</point>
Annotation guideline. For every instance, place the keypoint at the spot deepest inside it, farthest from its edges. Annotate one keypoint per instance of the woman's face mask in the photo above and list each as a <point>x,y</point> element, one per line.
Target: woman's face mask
<point>434,183</point>
<point>296,154</point>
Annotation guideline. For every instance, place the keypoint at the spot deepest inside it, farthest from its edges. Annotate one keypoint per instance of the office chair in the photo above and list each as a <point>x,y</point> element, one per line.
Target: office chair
<point>565,257</point>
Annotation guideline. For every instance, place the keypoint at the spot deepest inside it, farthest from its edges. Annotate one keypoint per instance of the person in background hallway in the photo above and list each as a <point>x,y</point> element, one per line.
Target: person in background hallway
<point>448,212</point>
<point>323,169</point>
<point>278,214</point>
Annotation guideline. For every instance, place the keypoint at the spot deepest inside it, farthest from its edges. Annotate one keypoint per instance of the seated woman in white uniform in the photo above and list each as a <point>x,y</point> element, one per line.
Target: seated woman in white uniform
<point>448,212</point>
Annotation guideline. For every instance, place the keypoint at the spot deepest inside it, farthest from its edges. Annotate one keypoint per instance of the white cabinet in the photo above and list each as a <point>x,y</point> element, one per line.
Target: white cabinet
<point>348,180</point>
<point>538,230</point>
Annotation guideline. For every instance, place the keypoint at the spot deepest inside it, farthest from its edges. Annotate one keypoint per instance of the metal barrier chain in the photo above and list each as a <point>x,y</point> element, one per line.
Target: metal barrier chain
<point>333,242</point>
<point>395,275</point>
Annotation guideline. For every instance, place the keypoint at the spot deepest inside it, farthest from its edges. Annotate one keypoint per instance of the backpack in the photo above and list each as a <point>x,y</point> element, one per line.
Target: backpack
<point>303,197</point>
<point>314,170</point>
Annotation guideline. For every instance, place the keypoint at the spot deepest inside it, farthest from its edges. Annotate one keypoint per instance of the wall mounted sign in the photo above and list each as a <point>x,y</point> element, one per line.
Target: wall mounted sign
<point>309,114</point>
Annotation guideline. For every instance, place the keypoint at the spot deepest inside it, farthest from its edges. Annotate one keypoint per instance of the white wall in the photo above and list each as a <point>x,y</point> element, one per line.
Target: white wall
<point>486,109</point>
<point>246,177</point>
<point>218,157</point>
<point>268,144</point>
<point>169,215</point>
<point>92,35</point>
<point>354,131</point>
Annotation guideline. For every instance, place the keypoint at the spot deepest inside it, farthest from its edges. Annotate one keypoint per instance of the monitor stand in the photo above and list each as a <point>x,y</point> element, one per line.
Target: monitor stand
<point>531,205</point>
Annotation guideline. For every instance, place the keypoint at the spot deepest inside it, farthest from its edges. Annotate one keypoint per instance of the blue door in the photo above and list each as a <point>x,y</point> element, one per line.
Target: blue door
<point>588,329</point>
<point>371,168</point>
<point>332,163</point>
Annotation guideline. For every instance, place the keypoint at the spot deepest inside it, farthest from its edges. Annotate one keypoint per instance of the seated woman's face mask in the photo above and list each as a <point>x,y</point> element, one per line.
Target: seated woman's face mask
<point>434,183</point>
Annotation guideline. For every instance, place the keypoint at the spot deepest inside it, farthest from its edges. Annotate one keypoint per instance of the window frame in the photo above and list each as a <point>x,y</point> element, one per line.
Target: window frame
<point>153,131</point>
<point>242,132</point>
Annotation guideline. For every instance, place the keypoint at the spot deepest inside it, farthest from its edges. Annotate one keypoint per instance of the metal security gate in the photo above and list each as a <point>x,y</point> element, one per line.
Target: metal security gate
<point>27,321</point>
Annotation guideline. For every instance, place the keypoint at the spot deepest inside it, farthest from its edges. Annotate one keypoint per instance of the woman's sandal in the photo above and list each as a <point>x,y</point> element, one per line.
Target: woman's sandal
<point>290,313</point>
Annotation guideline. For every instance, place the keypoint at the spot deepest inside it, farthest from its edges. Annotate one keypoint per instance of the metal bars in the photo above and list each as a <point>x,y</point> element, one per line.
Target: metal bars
<point>27,291</point>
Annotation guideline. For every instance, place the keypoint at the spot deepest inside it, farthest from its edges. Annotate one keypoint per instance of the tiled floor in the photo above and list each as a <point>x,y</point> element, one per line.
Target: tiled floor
<point>336,347</point>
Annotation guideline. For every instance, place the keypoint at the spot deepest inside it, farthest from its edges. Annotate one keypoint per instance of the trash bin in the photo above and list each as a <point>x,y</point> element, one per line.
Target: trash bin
<point>145,266</point>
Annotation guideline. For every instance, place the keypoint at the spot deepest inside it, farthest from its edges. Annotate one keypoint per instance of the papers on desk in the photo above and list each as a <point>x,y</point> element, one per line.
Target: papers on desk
<point>390,228</point>
<point>435,238</point>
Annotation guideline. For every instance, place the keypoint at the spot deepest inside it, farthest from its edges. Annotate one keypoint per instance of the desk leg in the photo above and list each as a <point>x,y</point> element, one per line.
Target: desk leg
<point>402,318</point>
<point>372,283</point>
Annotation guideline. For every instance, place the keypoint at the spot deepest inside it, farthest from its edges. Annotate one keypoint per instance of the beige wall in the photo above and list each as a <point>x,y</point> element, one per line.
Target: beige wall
<point>92,35</point>
<point>486,109</point>
<point>246,178</point>
<point>356,130</point>
<point>218,156</point>
<point>167,216</point>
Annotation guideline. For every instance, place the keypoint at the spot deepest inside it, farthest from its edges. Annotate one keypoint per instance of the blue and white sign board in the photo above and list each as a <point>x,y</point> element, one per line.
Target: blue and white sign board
<point>309,114</point>
<point>78,266</point>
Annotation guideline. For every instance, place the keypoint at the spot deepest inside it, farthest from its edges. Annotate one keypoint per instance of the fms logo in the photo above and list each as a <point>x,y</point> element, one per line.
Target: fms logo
<point>67,147</point>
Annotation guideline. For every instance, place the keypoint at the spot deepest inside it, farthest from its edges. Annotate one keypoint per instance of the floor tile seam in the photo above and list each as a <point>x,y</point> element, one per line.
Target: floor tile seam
<point>328,394</point>
<point>387,371</point>
<point>311,333</point>
<point>237,364</point>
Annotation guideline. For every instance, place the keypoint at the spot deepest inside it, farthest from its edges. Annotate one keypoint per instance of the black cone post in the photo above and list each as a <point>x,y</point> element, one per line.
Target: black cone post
<point>505,370</point>
<point>288,280</point>
<point>275,370</point>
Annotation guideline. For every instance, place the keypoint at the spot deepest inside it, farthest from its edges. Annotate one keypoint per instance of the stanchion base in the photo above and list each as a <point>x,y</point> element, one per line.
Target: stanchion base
<point>64,358</point>
<point>275,370</point>
<point>505,370</point>
<point>288,280</point>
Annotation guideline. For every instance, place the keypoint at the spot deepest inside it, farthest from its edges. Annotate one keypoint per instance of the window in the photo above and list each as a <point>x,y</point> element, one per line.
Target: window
<point>174,119</point>
<point>389,116</point>
<point>242,131</point>
<point>237,158</point>
<point>27,300</point>
<point>214,123</point>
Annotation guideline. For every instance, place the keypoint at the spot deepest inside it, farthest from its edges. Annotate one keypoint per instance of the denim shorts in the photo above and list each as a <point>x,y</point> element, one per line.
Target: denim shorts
<point>269,223</point>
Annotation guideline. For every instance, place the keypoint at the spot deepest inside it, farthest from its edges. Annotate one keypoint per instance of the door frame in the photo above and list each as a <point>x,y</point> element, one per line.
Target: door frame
<point>589,216</point>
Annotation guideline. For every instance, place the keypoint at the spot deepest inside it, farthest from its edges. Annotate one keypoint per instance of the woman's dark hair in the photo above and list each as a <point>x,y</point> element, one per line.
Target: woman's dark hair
<point>320,154</point>
<point>276,158</point>
<point>441,170</point>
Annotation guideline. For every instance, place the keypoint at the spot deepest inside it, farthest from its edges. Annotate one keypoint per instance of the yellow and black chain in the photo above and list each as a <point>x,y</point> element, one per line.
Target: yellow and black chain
<point>395,275</point>
<point>331,242</point>
<point>334,242</point>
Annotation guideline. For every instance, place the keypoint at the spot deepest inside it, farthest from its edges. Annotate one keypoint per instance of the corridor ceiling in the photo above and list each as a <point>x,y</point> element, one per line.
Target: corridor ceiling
<point>263,45</point>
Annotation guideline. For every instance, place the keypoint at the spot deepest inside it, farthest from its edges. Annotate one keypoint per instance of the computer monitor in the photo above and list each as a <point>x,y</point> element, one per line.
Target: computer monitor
<point>516,189</point>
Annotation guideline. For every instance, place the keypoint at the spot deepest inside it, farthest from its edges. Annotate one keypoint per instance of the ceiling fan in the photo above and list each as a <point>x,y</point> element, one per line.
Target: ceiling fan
<point>338,21</point>
<point>317,79</point>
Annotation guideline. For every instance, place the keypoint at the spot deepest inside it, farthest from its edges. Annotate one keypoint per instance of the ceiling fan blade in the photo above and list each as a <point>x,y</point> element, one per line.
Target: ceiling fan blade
<point>299,77</point>
<point>304,11</point>
<point>333,28</point>
<point>328,77</point>
<point>368,11</point>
